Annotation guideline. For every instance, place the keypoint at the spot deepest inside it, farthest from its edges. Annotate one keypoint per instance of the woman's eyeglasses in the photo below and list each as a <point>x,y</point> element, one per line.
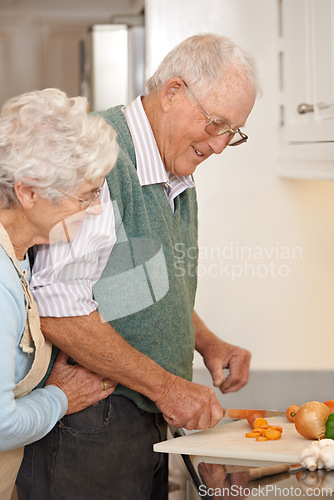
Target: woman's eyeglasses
<point>84,204</point>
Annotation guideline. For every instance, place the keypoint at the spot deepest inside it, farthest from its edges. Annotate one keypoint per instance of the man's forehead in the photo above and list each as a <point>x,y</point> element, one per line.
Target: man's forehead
<point>231,99</point>
<point>234,82</point>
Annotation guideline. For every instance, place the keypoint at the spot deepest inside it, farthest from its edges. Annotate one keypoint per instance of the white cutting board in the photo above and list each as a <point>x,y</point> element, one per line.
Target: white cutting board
<point>228,441</point>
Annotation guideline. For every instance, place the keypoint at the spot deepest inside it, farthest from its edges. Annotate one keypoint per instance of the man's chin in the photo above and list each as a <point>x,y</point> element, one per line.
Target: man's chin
<point>185,171</point>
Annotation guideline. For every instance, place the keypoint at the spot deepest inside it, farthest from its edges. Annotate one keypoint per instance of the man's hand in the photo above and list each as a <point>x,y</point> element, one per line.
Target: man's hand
<point>189,405</point>
<point>222,355</point>
<point>219,355</point>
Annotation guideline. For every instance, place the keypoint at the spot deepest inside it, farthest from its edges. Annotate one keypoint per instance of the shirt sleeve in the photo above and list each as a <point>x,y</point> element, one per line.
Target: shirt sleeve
<point>31,417</point>
<point>64,273</point>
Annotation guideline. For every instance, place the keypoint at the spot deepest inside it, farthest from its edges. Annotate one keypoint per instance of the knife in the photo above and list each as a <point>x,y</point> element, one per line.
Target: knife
<point>238,413</point>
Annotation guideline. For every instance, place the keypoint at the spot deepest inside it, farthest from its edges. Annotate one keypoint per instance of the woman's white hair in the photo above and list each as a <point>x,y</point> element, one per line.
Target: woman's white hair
<point>47,139</point>
<point>203,60</point>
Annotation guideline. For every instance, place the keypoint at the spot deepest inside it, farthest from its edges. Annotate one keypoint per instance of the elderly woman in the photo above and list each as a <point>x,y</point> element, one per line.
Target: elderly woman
<point>53,160</point>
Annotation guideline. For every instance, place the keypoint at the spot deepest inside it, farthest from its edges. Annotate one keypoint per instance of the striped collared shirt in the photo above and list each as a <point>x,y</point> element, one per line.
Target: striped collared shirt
<point>64,273</point>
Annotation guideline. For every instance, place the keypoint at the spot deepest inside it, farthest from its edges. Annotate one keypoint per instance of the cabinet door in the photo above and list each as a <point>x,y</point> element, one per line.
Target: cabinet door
<point>307,83</point>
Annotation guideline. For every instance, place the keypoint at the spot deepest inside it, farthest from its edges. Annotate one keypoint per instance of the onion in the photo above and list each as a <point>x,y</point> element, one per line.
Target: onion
<point>310,420</point>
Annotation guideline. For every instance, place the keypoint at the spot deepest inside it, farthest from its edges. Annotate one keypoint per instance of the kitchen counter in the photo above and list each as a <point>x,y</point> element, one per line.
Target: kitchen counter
<point>228,476</point>
<point>279,389</point>
<point>214,479</point>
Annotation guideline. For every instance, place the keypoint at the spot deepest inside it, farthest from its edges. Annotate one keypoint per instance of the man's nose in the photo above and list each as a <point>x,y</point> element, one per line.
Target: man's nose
<point>219,142</point>
<point>95,209</point>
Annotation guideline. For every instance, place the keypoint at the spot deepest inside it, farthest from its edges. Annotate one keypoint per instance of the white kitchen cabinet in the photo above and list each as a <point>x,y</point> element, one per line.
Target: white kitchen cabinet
<point>306,84</point>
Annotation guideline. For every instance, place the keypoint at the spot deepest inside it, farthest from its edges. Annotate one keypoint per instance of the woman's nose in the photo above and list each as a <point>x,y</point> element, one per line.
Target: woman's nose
<point>95,209</point>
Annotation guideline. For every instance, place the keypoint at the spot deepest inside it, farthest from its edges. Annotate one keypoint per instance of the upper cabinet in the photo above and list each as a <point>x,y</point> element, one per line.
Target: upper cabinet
<point>306,82</point>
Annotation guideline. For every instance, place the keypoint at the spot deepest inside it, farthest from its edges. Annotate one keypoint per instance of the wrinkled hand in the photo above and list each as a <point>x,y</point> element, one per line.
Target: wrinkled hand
<point>189,405</point>
<point>81,386</point>
<point>220,355</point>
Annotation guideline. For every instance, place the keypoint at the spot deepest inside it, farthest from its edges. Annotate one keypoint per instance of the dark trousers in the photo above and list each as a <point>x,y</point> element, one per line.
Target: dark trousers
<point>102,453</point>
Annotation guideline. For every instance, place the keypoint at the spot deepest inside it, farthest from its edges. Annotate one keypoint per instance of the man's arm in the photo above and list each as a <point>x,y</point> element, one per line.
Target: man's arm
<point>218,355</point>
<point>97,346</point>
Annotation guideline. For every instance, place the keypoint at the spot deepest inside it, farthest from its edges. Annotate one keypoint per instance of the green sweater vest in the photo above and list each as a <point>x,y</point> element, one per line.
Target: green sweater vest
<point>147,289</point>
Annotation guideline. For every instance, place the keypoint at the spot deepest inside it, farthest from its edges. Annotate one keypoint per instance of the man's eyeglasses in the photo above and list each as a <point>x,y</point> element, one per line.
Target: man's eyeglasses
<point>217,126</point>
<point>84,204</point>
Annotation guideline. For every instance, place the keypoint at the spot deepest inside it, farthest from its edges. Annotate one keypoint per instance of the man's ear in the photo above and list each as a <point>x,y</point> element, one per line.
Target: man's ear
<point>171,91</point>
<point>25,194</point>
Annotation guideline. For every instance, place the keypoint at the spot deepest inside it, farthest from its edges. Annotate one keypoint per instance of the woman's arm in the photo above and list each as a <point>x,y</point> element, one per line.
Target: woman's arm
<point>69,389</point>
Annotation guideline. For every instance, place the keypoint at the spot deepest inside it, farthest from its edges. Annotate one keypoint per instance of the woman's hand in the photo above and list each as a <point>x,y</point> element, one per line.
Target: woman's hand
<point>81,386</point>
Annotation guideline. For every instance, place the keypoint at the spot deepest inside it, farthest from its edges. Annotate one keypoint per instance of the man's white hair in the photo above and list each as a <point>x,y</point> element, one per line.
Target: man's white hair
<point>203,60</point>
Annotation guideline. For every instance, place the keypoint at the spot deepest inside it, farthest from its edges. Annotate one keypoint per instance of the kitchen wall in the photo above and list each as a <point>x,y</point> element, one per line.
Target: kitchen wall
<point>266,274</point>
<point>40,41</point>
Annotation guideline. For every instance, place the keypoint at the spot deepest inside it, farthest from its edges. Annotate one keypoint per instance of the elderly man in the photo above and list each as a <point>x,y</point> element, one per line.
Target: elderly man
<point>200,96</point>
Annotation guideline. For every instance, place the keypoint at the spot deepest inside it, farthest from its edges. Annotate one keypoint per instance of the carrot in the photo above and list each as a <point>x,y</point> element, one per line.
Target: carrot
<point>291,412</point>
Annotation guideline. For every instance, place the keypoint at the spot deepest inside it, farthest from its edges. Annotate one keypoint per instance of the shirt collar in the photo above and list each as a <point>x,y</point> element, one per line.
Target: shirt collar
<point>150,168</point>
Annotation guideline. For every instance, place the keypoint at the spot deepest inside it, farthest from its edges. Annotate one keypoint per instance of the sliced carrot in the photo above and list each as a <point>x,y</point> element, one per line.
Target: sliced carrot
<point>277,427</point>
<point>262,431</point>
<point>260,421</point>
<point>252,415</point>
<point>252,434</point>
<point>273,434</point>
<point>262,438</point>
